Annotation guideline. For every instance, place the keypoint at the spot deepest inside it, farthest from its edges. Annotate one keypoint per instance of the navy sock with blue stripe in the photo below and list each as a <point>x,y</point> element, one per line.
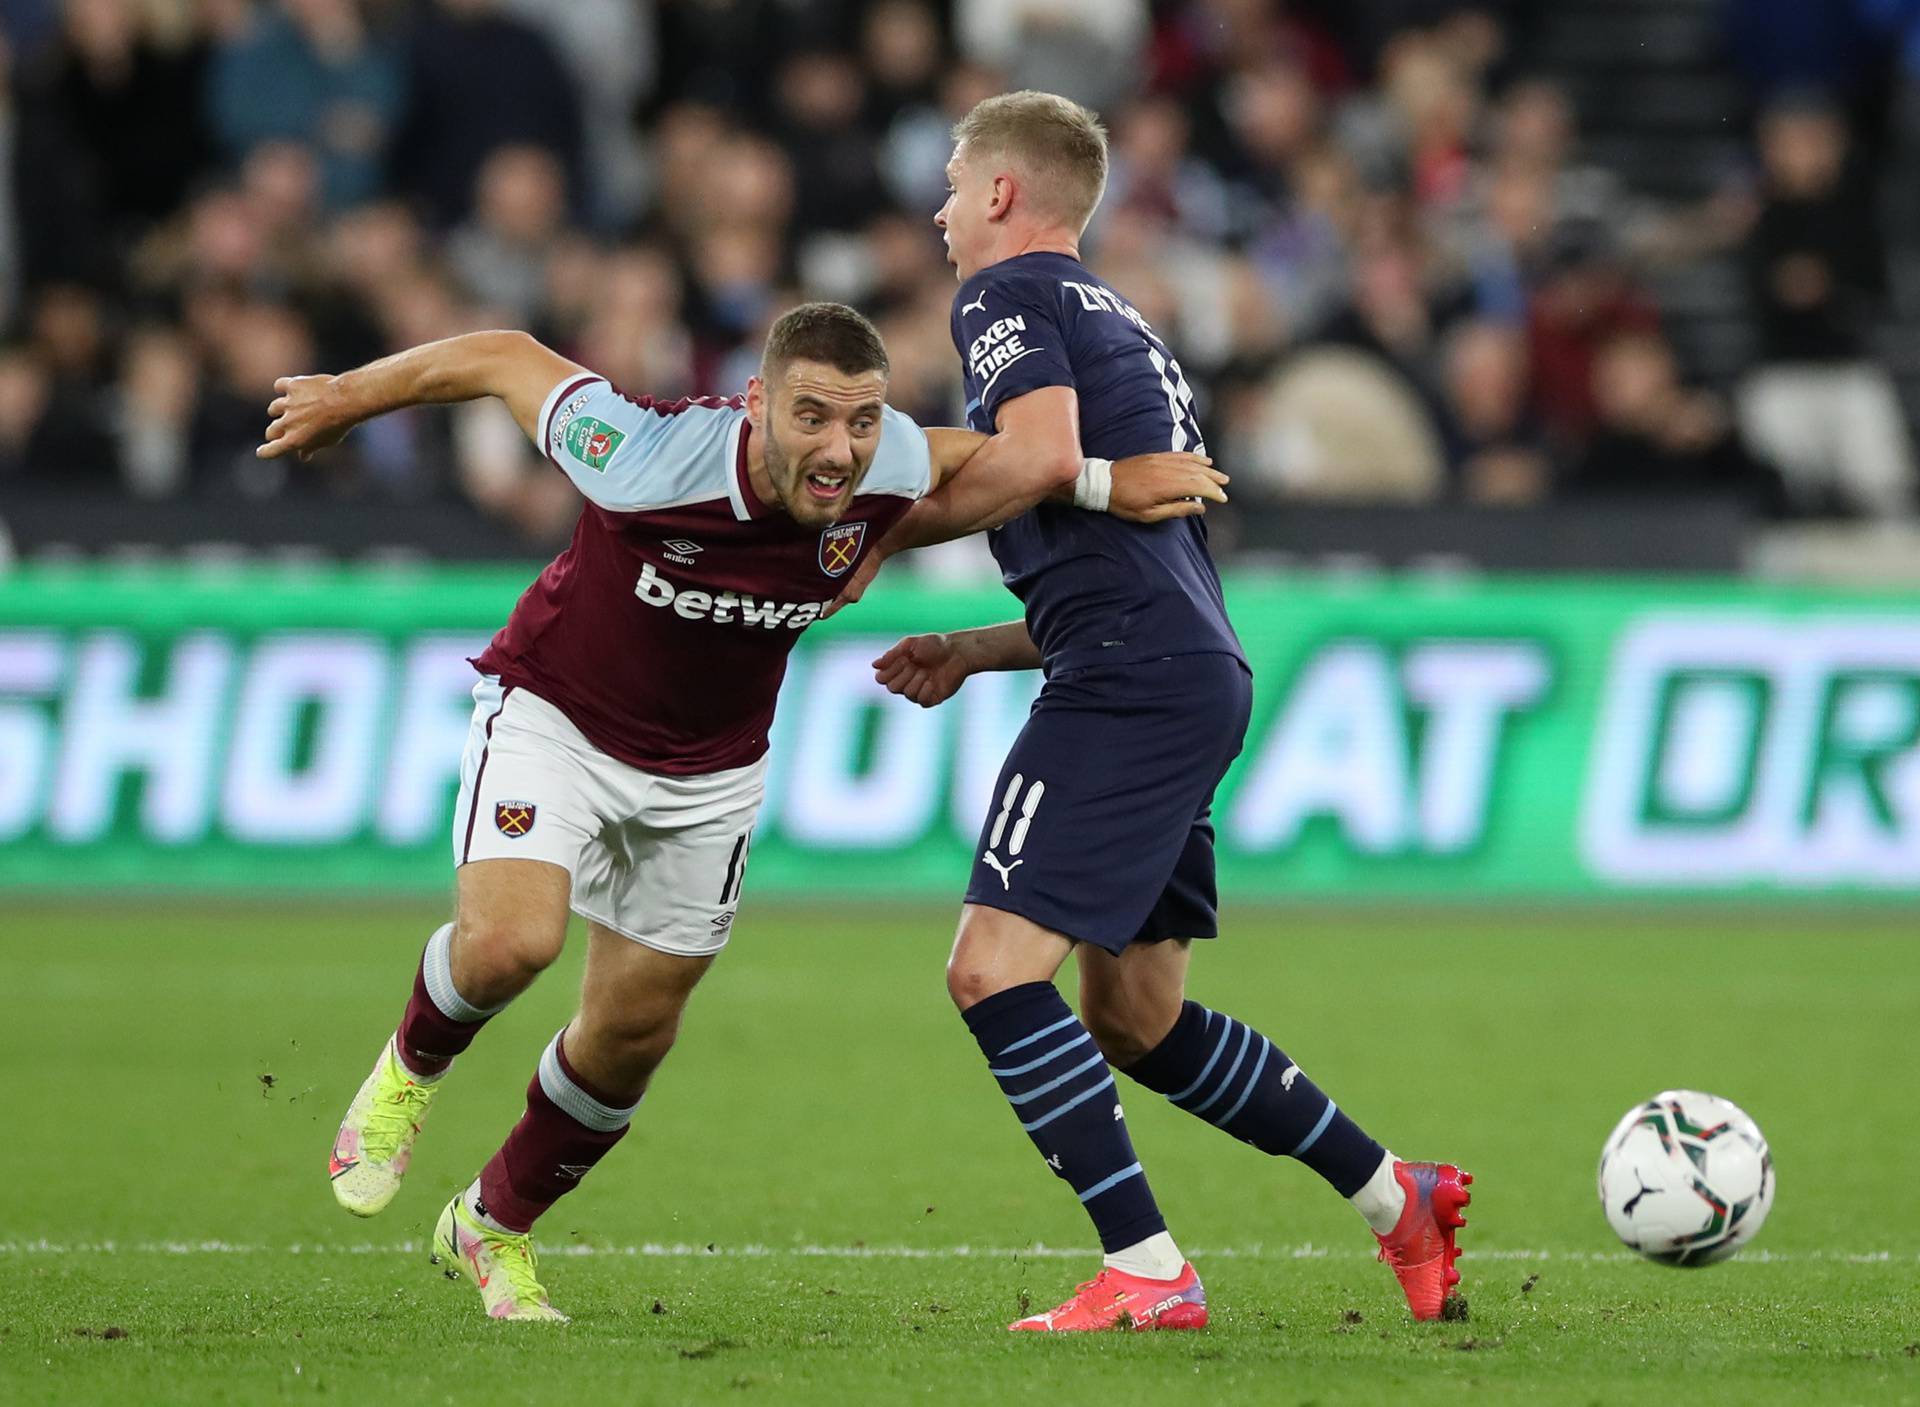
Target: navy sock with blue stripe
<point>1223,1071</point>
<point>1063,1094</point>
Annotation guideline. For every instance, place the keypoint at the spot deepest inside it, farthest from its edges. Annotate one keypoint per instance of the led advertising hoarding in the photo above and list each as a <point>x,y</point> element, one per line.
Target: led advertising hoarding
<point>260,729</point>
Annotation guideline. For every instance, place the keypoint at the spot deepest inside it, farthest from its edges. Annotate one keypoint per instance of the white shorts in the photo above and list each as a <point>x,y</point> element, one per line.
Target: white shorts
<point>657,859</point>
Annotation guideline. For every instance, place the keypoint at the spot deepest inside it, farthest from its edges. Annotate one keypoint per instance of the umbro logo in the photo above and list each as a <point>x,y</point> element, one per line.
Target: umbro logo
<point>978,305</point>
<point>681,550</point>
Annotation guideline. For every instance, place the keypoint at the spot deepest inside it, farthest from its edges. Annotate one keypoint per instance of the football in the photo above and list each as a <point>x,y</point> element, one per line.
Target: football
<point>1686,1178</point>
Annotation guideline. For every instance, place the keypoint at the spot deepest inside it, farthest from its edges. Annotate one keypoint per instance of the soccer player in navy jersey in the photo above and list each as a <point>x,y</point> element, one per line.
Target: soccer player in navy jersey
<point>618,748</point>
<point>1099,842</point>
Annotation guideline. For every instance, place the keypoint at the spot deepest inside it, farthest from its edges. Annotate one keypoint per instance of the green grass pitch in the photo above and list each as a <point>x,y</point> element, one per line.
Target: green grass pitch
<point>824,1199</point>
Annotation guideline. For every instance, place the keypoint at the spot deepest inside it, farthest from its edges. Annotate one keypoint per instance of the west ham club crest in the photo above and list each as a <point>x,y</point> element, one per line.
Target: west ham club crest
<point>513,819</point>
<point>840,548</point>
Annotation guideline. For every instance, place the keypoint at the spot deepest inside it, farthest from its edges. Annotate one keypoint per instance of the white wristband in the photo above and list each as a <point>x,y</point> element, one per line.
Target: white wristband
<point>1094,486</point>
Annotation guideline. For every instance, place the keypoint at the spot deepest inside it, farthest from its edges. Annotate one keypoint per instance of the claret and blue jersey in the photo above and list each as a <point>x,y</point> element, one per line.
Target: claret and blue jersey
<point>1096,589</point>
<point>662,632</point>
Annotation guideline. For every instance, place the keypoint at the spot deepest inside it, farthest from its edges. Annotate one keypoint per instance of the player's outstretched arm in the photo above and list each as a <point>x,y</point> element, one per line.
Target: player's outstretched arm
<point>310,413</point>
<point>1146,488</point>
<point>929,669</point>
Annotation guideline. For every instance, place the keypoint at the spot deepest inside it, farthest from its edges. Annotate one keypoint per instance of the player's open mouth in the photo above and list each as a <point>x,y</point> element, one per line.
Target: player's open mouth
<point>826,487</point>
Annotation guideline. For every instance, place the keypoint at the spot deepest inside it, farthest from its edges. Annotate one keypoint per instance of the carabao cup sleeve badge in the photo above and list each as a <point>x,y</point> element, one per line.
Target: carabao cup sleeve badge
<point>840,548</point>
<point>513,819</point>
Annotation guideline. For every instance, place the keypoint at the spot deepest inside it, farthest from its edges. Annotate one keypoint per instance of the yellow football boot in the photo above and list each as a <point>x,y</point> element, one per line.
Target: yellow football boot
<point>375,1142</point>
<point>499,1263</point>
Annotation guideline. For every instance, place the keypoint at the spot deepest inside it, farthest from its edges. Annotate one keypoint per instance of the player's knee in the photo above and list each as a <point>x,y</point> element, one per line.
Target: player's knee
<point>969,983</point>
<point>1128,1021</point>
<point>1119,1036</point>
<point>503,956</point>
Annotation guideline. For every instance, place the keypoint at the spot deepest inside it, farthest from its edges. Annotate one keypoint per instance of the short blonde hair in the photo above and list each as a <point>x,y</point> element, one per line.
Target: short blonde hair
<point>1061,145</point>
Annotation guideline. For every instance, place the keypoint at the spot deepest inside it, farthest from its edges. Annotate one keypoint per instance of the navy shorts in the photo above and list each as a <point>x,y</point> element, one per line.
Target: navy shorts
<point>1099,827</point>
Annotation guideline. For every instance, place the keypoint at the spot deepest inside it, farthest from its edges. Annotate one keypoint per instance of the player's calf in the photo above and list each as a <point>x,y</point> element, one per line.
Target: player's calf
<point>569,1126</point>
<point>1225,1072</point>
<point>374,1143</point>
<point>443,1015</point>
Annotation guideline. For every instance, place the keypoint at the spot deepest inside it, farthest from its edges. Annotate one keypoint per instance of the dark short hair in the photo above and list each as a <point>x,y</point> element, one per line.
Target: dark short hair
<point>831,333</point>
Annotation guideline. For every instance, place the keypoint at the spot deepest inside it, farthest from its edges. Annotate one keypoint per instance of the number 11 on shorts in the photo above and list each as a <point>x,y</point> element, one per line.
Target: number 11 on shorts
<point>1016,841</point>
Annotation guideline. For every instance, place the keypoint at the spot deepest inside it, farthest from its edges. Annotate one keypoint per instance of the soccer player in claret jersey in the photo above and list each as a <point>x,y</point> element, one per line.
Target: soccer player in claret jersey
<point>619,734</point>
<point>1099,843</point>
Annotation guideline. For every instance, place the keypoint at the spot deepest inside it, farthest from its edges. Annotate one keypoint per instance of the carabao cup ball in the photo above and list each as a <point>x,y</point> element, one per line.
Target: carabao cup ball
<point>1686,1178</point>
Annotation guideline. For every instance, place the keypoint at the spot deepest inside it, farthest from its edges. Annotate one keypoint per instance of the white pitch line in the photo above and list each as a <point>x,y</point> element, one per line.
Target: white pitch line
<point>682,1250</point>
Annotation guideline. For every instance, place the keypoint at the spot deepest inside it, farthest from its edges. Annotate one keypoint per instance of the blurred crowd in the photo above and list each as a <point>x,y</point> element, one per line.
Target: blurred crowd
<point>1372,234</point>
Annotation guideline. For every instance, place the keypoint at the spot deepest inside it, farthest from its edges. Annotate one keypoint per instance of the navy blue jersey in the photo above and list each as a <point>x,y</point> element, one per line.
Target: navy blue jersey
<point>1097,590</point>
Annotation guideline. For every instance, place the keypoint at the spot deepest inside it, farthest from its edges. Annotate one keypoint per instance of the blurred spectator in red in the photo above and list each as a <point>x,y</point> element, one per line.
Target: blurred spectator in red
<point>1820,405</point>
<point>1495,447</point>
<point>1438,105</point>
<point>1655,436</point>
<point>1584,300</point>
<point>1412,131</point>
<point>1195,46</point>
<point>479,80</point>
<point>312,72</point>
<point>110,139</point>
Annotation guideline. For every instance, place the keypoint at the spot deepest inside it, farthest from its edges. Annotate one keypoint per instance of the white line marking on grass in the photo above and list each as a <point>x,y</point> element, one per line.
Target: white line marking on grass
<point>682,1250</point>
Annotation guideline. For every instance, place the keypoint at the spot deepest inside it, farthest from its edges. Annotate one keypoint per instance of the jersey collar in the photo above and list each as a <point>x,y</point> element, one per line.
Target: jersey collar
<point>747,506</point>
